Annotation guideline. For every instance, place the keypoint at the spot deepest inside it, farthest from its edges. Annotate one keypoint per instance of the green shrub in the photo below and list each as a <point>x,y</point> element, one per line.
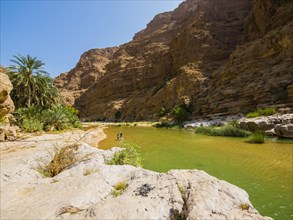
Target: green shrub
<point>227,130</point>
<point>72,115</point>
<point>262,112</point>
<point>30,112</point>
<point>179,113</point>
<point>257,137</point>
<point>61,117</point>
<point>30,119</point>
<point>129,155</point>
<point>35,118</point>
<point>162,125</point>
<point>32,125</point>
<point>234,123</point>
<point>162,112</point>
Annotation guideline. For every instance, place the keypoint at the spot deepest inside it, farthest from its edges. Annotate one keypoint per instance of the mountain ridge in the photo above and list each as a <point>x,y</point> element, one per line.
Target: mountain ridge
<point>203,53</point>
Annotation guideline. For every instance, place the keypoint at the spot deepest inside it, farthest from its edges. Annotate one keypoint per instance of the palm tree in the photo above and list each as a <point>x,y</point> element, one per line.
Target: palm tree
<point>32,84</point>
<point>48,94</point>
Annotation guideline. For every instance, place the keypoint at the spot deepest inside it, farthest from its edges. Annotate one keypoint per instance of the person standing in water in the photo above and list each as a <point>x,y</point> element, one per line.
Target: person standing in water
<point>119,136</point>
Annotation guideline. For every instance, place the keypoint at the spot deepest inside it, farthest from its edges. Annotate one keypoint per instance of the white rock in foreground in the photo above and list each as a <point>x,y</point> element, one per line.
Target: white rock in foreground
<point>178,194</point>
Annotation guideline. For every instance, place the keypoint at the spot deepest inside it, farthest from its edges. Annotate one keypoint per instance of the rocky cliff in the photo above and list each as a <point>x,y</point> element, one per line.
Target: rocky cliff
<point>260,70</point>
<point>89,69</point>
<point>222,57</point>
<point>7,132</point>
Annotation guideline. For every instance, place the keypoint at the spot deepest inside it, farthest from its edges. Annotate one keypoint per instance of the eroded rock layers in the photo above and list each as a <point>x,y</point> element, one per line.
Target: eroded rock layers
<point>222,57</point>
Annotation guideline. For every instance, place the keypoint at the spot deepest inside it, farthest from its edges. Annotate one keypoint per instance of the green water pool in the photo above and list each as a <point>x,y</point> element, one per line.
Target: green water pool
<point>264,171</point>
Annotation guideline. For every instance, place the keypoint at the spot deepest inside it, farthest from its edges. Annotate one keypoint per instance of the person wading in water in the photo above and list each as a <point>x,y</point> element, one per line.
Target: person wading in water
<point>119,136</point>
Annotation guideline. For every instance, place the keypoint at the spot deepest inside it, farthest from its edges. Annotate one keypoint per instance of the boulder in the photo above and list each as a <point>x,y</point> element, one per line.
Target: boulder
<point>285,131</point>
<point>275,125</point>
<point>259,123</point>
<point>6,103</point>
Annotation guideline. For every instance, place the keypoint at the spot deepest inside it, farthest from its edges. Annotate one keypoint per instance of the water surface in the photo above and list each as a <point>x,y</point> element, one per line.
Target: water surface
<point>264,171</point>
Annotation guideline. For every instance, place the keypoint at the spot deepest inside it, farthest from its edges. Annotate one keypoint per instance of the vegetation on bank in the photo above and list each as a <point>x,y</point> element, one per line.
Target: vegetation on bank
<point>129,155</point>
<point>37,100</point>
<point>181,112</point>
<point>231,130</point>
<point>262,112</point>
<point>226,130</point>
<point>257,137</point>
<point>35,118</point>
<point>172,125</point>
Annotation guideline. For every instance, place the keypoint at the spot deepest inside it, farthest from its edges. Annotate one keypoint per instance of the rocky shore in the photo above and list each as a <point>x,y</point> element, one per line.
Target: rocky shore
<point>275,125</point>
<point>279,125</point>
<point>72,194</point>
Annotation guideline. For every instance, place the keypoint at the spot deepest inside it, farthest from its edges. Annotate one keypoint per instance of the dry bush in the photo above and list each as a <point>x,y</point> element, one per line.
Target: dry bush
<point>69,209</point>
<point>62,159</point>
<point>87,172</point>
<point>244,206</point>
<point>119,188</point>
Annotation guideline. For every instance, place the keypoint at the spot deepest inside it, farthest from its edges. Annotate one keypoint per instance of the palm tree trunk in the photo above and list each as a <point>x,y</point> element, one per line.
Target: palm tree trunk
<point>29,97</point>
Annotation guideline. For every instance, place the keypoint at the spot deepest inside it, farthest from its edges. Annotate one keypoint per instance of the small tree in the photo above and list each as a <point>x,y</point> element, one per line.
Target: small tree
<point>163,111</point>
<point>179,113</point>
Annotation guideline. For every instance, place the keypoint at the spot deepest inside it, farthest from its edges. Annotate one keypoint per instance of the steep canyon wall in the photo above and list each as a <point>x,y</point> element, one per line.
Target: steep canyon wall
<point>223,57</point>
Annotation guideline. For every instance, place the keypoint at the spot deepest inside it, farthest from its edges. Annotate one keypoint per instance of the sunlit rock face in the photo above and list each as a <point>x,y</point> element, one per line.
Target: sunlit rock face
<point>224,57</point>
<point>7,132</point>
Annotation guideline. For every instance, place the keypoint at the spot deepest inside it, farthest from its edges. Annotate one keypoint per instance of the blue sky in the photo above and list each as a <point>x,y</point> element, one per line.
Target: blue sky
<point>58,32</point>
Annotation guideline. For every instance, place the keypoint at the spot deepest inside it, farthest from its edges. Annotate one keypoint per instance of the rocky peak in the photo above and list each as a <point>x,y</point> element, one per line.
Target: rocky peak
<point>87,71</point>
<point>90,66</point>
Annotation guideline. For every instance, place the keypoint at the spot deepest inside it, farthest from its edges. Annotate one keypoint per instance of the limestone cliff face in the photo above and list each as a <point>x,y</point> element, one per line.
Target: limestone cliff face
<point>87,71</point>
<point>260,71</point>
<point>7,132</point>
<point>221,56</point>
